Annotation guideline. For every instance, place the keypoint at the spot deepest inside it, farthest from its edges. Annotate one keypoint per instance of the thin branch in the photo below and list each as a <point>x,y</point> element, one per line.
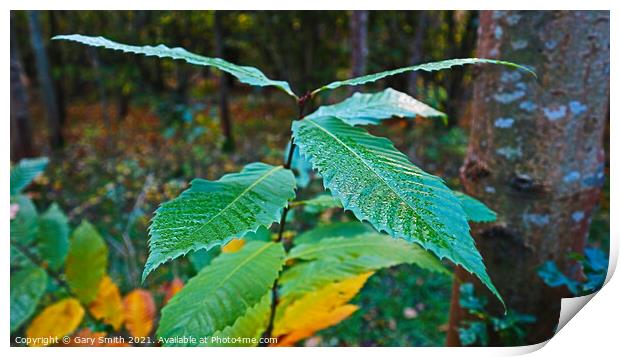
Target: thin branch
<point>289,160</point>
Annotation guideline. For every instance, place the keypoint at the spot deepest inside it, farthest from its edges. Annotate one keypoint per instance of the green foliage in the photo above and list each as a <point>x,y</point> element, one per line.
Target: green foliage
<point>336,258</point>
<point>86,262</point>
<point>346,229</point>
<point>245,74</point>
<point>510,327</point>
<point>25,172</point>
<point>212,213</point>
<point>53,237</point>
<point>373,108</point>
<point>230,296</point>
<point>379,185</point>
<point>319,203</point>
<point>27,288</point>
<point>594,264</point>
<point>475,210</point>
<point>247,329</point>
<point>384,251</point>
<point>427,67</point>
<point>223,292</point>
<point>24,226</point>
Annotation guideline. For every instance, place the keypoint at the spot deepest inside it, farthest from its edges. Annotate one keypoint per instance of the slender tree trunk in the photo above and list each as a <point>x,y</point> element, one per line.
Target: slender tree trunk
<point>56,58</point>
<point>535,155</point>
<point>103,99</point>
<point>21,128</point>
<point>359,43</point>
<point>416,51</point>
<point>457,92</point>
<point>46,84</point>
<point>225,121</point>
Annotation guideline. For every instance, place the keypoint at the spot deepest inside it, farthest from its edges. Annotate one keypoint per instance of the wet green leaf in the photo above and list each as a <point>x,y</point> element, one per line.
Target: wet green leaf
<point>245,74</point>
<point>211,213</point>
<point>379,185</point>
<point>427,67</point>
<point>226,296</point>
<point>373,108</point>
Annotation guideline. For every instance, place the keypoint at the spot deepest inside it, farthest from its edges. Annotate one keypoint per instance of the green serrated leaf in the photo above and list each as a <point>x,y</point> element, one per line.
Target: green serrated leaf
<point>27,288</point>
<point>427,67</point>
<point>211,213</point>
<point>379,185</point>
<point>245,74</point>
<point>373,108</point>
<point>53,236</point>
<point>476,211</point>
<point>222,293</point>
<point>25,224</point>
<point>382,250</point>
<point>25,172</point>
<point>87,261</point>
<point>247,329</point>
<point>344,229</point>
<point>337,258</point>
<point>202,257</point>
<point>319,203</point>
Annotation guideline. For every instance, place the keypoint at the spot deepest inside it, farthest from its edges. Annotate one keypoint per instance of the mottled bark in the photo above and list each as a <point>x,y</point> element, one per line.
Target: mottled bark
<point>46,84</point>
<point>359,42</point>
<point>224,111</point>
<point>535,154</point>
<point>21,129</point>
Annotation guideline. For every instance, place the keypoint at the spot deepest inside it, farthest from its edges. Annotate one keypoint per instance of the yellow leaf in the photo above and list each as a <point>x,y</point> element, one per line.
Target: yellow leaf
<point>108,305</point>
<point>55,321</point>
<point>172,288</point>
<point>233,246</point>
<point>318,310</point>
<point>139,309</point>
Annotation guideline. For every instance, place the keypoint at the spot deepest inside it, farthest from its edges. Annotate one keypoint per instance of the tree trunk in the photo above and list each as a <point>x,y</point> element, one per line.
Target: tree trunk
<point>458,94</point>
<point>229,143</point>
<point>93,56</point>
<point>535,155</point>
<point>46,84</point>
<point>56,58</point>
<point>416,51</point>
<point>359,43</point>
<point>21,128</point>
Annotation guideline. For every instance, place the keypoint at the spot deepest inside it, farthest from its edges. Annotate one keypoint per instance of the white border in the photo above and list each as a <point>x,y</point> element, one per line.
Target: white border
<point>592,331</point>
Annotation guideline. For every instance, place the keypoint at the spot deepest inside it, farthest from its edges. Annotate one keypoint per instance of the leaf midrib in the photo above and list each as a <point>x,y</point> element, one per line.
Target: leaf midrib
<point>363,161</point>
<point>245,191</point>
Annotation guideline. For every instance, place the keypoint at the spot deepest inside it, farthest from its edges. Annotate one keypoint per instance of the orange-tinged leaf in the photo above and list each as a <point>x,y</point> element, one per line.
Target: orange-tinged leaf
<point>317,310</point>
<point>108,305</point>
<point>233,246</point>
<point>139,309</point>
<point>55,321</point>
<point>172,288</point>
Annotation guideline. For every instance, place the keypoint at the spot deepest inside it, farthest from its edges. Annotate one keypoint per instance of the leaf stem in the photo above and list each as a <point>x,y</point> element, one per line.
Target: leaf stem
<point>301,104</point>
